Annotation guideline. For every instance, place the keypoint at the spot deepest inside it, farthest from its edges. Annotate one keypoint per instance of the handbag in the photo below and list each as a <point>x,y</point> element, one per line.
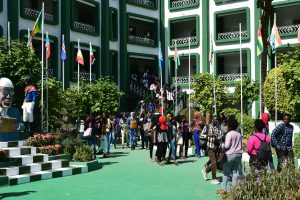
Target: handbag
<point>222,158</point>
<point>87,132</point>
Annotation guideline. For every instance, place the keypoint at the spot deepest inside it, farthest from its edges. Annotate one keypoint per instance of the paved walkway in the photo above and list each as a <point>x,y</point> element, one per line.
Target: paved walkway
<point>128,175</point>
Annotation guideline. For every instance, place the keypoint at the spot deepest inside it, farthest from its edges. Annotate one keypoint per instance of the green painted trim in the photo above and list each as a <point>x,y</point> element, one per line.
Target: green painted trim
<point>232,11</point>
<point>1,31</point>
<point>4,180</point>
<point>162,32</point>
<point>141,17</point>
<point>113,24</point>
<point>185,7</point>
<point>54,49</point>
<point>114,73</point>
<point>178,19</point>
<point>123,57</point>
<point>257,15</point>
<point>13,17</point>
<point>58,157</point>
<point>97,52</point>
<point>170,58</point>
<point>65,30</point>
<point>285,3</point>
<point>54,12</point>
<point>105,33</point>
<point>93,165</point>
<point>205,34</point>
<point>96,16</point>
<point>142,6</point>
<point>1,5</point>
<point>247,50</point>
<point>228,1</point>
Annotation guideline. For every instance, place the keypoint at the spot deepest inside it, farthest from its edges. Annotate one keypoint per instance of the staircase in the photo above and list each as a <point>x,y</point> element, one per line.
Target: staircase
<point>27,165</point>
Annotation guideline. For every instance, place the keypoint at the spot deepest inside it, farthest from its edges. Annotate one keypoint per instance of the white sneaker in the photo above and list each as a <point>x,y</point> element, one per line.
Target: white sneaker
<point>204,174</point>
<point>215,182</point>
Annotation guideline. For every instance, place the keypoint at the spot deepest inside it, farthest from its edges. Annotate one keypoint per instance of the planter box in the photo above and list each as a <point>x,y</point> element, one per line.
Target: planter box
<point>3,180</point>
<point>61,156</point>
<point>93,165</point>
<point>298,163</point>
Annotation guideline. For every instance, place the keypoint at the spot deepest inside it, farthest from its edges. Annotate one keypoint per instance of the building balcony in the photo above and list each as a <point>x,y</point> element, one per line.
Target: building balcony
<point>184,41</point>
<point>141,40</point>
<point>84,27</point>
<point>228,1</point>
<point>232,35</point>
<point>283,30</point>
<point>182,80</point>
<point>83,76</point>
<point>182,4</point>
<point>149,4</point>
<point>35,13</point>
<point>231,77</point>
<point>47,73</point>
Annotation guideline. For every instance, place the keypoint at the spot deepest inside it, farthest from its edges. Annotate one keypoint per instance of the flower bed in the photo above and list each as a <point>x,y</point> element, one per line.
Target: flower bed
<point>48,143</point>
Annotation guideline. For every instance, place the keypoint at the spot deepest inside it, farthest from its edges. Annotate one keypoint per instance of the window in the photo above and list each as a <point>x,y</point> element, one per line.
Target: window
<point>113,25</point>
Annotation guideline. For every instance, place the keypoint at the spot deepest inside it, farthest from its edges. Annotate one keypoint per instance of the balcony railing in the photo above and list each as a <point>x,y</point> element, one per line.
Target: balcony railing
<point>35,13</point>
<point>138,89</point>
<point>141,40</point>
<point>48,72</point>
<point>144,3</point>
<point>232,35</point>
<point>84,27</point>
<point>288,29</point>
<point>184,41</point>
<point>83,76</point>
<point>182,80</point>
<point>231,77</point>
<point>184,3</point>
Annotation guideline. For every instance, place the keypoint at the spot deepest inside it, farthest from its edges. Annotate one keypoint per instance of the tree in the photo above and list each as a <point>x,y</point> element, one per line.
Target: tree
<point>17,64</point>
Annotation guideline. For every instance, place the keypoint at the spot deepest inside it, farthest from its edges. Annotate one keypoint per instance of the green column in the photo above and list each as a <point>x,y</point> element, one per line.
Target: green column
<point>105,68</point>
<point>205,35</point>
<point>13,17</point>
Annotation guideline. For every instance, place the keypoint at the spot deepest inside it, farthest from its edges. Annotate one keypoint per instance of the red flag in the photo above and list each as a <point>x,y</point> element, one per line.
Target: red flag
<point>79,57</point>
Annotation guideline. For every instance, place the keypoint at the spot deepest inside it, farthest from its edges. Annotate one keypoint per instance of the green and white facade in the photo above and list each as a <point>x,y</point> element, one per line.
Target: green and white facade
<point>126,35</point>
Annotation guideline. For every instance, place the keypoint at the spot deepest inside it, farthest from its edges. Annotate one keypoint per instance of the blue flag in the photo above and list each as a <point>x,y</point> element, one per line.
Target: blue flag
<point>63,54</point>
<point>160,58</point>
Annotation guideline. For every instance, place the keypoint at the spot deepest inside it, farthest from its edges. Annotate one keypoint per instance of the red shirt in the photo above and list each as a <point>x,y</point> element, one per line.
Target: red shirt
<point>265,119</point>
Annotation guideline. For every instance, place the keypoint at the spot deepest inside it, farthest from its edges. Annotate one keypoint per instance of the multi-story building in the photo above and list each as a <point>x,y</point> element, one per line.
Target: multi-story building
<point>126,35</point>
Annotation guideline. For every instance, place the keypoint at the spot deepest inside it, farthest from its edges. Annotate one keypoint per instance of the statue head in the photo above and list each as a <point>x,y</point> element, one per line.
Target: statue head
<point>6,92</point>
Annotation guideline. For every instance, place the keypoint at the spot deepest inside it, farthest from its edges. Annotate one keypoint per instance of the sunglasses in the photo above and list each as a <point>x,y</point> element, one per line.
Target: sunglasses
<point>6,92</point>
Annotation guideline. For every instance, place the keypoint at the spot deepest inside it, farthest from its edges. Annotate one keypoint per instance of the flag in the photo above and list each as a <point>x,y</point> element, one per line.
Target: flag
<point>92,57</point>
<point>38,24</point>
<point>29,41</point>
<point>79,57</point>
<point>211,51</point>
<point>260,45</point>
<point>299,33</point>
<point>63,54</point>
<point>176,57</point>
<point>47,45</point>
<point>160,58</point>
<point>275,39</point>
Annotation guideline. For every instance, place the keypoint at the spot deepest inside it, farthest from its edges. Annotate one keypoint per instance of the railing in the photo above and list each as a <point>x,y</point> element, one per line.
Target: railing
<point>231,77</point>
<point>83,76</point>
<point>184,41</point>
<point>84,27</point>
<point>138,89</point>
<point>232,35</point>
<point>35,13</point>
<point>141,40</point>
<point>47,72</point>
<point>144,3</point>
<point>288,29</point>
<point>184,3</point>
<point>182,80</point>
<point>181,104</point>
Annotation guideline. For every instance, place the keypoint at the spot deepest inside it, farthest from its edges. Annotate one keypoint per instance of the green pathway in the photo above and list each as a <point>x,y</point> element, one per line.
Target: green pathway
<point>127,175</point>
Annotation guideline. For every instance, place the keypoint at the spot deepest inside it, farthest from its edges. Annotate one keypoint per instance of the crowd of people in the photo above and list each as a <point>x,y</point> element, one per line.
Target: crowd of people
<point>173,135</point>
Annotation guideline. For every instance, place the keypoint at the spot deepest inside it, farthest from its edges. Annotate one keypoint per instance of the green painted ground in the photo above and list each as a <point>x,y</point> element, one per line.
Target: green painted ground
<point>128,175</point>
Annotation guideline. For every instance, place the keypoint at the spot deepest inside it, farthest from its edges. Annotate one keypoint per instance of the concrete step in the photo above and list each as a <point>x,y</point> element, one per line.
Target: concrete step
<point>16,151</point>
<point>28,159</point>
<point>19,143</point>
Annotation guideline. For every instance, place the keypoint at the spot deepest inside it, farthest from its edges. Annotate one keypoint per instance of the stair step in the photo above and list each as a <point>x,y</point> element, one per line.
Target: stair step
<point>48,174</point>
<point>28,159</point>
<point>16,151</point>
<point>34,167</point>
<point>19,143</point>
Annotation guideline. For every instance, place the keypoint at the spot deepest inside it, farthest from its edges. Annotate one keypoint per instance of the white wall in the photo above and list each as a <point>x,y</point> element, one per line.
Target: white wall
<point>3,18</point>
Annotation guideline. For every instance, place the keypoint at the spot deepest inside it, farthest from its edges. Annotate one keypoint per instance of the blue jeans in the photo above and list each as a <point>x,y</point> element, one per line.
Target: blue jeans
<point>132,137</point>
<point>172,149</point>
<point>113,137</point>
<point>107,142</point>
<point>197,143</point>
<point>91,141</point>
<point>230,167</point>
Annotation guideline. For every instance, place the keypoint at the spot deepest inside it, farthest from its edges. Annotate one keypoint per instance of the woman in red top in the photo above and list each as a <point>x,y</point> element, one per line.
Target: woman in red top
<point>254,144</point>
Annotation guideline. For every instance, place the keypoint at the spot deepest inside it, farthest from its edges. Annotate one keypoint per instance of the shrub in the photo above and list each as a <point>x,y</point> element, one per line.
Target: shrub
<point>83,153</point>
<point>52,149</point>
<point>268,185</point>
<point>297,145</point>
<point>48,143</point>
<point>70,144</point>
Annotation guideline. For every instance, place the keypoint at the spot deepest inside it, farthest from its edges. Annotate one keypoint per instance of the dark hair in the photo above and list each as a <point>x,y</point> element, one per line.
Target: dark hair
<point>287,115</point>
<point>259,125</point>
<point>232,123</point>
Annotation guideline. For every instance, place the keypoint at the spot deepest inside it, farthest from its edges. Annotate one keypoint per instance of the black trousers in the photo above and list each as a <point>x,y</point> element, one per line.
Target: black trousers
<point>283,155</point>
<point>161,150</point>
<point>151,147</point>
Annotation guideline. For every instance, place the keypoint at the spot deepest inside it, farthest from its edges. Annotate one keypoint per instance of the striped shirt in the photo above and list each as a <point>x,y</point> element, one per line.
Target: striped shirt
<point>214,133</point>
<point>282,137</point>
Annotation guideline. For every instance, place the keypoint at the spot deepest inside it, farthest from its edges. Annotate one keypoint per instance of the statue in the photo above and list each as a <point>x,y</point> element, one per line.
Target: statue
<point>28,104</point>
<point>10,120</point>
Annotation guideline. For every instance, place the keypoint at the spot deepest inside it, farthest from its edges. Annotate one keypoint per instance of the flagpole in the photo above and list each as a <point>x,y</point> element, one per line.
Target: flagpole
<point>189,82</point>
<point>47,91</point>
<point>8,36</point>
<point>275,83</point>
<point>214,83</point>
<point>260,84</point>
<point>42,90</point>
<point>241,71</point>
<point>176,66</point>
<point>78,71</point>
<point>90,64</point>
<point>63,68</point>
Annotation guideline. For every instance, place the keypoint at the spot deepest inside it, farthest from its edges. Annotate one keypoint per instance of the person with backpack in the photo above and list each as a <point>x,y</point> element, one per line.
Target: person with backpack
<point>259,148</point>
<point>132,129</point>
<point>282,141</point>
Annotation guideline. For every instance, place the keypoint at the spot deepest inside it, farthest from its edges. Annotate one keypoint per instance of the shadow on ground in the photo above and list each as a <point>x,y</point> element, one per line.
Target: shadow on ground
<point>14,194</point>
<point>102,164</point>
<point>185,161</point>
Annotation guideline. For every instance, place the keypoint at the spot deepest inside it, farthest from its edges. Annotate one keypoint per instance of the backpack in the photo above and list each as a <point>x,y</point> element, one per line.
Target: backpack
<point>133,124</point>
<point>264,152</point>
